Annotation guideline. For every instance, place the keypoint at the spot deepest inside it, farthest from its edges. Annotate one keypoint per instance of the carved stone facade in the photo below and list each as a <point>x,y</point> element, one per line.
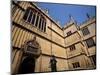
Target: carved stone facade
<point>36,36</point>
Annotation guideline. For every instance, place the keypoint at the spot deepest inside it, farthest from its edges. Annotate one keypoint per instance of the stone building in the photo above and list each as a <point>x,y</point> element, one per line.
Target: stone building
<point>36,37</point>
<point>88,34</point>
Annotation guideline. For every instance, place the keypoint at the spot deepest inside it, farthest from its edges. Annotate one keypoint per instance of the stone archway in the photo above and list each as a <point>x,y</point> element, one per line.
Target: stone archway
<point>32,51</point>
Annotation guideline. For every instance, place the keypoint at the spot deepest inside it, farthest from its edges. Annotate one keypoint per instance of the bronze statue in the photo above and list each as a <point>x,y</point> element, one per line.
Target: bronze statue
<point>53,63</point>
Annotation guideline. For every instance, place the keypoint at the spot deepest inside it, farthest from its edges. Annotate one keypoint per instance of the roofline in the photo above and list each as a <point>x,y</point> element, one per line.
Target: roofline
<point>93,20</point>
<point>69,25</point>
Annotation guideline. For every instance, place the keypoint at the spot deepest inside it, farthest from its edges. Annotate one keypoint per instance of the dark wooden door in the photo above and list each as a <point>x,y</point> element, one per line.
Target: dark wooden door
<point>27,66</point>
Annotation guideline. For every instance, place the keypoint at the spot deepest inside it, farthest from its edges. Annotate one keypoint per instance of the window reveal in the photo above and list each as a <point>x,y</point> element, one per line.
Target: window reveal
<point>30,16</point>
<point>26,14</point>
<point>72,47</point>
<point>40,23</point>
<point>69,33</point>
<point>85,31</point>
<point>90,42</point>
<point>76,65</point>
<point>35,18</point>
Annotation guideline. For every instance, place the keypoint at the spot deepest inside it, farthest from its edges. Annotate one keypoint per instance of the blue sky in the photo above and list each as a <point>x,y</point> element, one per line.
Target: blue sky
<point>61,12</point>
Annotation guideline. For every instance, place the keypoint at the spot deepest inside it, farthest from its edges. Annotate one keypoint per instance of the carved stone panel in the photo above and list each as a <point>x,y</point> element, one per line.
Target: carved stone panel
<point>32,48</point>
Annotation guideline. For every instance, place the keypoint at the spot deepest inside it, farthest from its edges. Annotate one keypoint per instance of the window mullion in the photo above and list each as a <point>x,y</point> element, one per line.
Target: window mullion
<point>38,22</point>
<point>32,18</point>
<point>35,19</point>
<point>28,15</point>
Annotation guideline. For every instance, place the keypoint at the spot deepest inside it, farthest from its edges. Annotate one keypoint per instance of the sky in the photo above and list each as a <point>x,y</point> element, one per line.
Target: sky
<point>61,12</point>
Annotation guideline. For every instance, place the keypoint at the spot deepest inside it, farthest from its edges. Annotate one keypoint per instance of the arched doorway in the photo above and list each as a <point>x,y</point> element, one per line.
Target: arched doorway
<point>27,65</point>
<point>32,51</point>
